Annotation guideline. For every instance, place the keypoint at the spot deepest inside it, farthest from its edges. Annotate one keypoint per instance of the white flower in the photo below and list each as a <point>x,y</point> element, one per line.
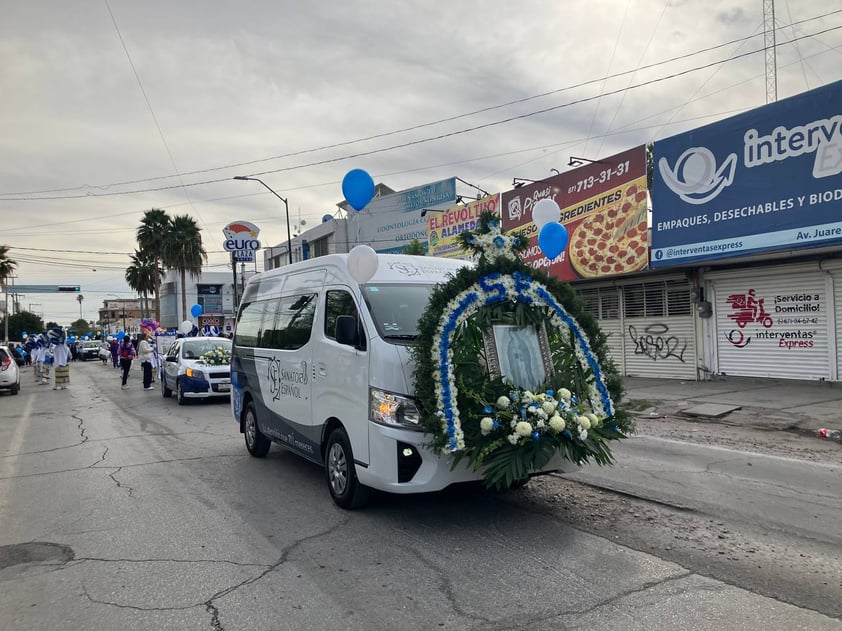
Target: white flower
<point>583,434</point>
<point>523,429</point>
<point>527,397</point>
<point>503,403</point>
<point>460,444</point>
<point>564,393</point>
<point>486,425</point>
<point>513,423</point>
<point>540,424</point>
<point>549,406</point>
<point>584,422</point>
<point>557,424</point>
<point>512,438</point>
<point>593,418</point>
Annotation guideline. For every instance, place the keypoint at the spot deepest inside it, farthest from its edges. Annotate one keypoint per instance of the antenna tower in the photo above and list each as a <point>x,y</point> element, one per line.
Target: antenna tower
<point>769,46</point>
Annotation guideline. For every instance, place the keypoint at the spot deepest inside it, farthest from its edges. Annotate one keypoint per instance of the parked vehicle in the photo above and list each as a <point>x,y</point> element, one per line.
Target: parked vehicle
<point>89,350</point>
<point>9,371</point>
<point>322,366</point>
<point>191,377</point>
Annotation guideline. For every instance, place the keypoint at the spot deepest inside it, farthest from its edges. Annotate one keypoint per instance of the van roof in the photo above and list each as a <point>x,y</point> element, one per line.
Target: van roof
<point>390,268</point>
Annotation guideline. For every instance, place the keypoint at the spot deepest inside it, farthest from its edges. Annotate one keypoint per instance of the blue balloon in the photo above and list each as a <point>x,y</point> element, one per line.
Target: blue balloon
<point>358,188</point>
<point>121,335</point>
<point>196,310</point>
<point>24,334</point>
<point>552,239</point>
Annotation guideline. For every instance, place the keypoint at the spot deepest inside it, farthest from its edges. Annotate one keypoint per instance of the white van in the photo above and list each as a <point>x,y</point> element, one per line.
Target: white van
<point>322,365</point>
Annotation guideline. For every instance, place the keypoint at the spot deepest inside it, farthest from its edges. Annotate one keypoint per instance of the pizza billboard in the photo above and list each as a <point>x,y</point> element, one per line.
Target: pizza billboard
<point>767,179</point>
<point>604,208</point>
<point>444,227</point>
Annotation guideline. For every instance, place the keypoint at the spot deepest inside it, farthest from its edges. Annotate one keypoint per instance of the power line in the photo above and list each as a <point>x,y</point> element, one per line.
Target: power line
<point>410,128</point>
<point>433,138</point>
<point>149,107</point>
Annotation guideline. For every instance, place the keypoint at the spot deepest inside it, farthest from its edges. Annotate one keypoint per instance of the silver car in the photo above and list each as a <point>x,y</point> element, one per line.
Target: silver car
<point>189,370</point>
<point>9,372</point>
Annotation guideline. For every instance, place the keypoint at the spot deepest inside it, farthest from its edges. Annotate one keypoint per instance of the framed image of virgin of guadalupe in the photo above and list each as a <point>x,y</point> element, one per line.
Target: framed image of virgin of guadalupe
<point>518,354</point>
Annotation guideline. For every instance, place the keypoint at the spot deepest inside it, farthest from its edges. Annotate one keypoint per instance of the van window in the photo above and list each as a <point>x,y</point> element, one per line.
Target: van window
<point>248,325</point>
<point>397,308</point>
<point>294,321</point>
<point>271,336</point>
<point>339,302</point>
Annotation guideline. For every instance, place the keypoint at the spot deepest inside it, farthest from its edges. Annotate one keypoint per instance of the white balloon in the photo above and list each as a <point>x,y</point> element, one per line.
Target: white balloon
<point>545,211</point>
<point>362,263</point>
<point>186,327</point>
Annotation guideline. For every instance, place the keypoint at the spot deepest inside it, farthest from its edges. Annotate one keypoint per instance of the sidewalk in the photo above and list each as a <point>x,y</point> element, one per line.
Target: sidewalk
<point>775,404</point>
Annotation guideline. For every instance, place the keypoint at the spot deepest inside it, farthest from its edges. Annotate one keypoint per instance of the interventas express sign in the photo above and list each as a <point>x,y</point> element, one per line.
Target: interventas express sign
<point>241,240</point>
<point>767,179</point>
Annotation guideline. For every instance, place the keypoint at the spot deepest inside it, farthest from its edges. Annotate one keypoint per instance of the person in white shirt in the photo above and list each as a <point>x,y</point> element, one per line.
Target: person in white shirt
<point>145,353</point>
<point>61,358</point>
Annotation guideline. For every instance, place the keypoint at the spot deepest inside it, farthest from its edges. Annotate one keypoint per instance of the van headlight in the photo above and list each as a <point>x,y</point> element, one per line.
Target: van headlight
<point>194,373</point>
<point>388,408</point>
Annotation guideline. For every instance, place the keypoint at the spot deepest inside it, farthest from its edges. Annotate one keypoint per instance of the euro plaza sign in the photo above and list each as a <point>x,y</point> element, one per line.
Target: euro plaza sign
<point>241,240</point>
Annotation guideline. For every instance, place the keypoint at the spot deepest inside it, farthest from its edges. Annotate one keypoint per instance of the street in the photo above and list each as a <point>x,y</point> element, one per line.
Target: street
<point>123,510</point>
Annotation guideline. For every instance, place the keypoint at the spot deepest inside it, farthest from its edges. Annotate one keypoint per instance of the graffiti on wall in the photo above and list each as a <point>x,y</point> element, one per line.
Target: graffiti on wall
<point>656,342</point>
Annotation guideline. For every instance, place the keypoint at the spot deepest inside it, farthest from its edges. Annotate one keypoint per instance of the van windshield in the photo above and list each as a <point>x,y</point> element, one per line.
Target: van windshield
<point>396,309</point>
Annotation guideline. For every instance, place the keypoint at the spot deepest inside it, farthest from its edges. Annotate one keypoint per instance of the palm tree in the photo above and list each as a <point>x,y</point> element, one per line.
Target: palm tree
<point>143,276</point>
<point>153,230</point>
<point>182,251</point>
<point>79,299</point>
<point>7,268</point>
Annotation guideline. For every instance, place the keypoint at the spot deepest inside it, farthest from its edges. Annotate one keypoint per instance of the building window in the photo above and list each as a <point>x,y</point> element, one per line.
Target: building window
<point>320,247</point>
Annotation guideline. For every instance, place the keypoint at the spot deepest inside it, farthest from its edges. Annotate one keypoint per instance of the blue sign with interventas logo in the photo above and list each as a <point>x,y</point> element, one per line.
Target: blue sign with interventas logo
<point>767,179</point>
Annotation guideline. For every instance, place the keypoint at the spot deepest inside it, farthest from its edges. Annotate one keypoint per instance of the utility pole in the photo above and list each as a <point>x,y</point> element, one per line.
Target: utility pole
<point>769,46</point>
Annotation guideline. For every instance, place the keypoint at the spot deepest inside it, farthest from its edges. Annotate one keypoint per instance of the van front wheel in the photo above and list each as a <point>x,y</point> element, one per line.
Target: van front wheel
<point>342,481</point>
<point>256,443</point>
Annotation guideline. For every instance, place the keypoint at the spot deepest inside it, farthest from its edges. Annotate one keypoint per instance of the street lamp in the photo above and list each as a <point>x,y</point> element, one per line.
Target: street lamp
<point>286,206</point>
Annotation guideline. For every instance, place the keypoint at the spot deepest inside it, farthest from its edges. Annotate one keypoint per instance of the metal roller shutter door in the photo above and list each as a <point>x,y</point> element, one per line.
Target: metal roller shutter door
<point>772,324</point>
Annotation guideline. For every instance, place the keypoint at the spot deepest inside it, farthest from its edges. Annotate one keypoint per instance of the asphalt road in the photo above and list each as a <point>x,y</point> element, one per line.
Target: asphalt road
<point>123,510</point>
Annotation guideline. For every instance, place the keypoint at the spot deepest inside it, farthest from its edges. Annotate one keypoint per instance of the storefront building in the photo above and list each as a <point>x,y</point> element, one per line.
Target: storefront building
<point>754,204</point>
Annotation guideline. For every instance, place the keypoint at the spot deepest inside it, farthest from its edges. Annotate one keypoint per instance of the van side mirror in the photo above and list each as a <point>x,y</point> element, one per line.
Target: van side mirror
<point>346,330</point>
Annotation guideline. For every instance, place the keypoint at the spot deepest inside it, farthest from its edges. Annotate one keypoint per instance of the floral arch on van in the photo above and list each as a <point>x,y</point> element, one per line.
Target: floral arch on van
<point>473,408</point>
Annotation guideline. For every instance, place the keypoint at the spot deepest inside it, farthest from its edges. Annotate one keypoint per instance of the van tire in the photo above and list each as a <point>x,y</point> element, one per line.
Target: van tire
<point>256,443</point>
<point>165,392</point>
<point>341,474</point>
<point>179,393</point>
<point>15,388</point>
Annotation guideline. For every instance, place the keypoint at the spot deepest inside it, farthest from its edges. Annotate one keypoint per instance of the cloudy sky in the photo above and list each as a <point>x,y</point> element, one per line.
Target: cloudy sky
<point>112,107</point>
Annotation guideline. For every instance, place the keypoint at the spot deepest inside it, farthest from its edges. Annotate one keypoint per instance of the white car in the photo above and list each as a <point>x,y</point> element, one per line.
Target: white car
<point>190,377</point>
<point>9,372</point>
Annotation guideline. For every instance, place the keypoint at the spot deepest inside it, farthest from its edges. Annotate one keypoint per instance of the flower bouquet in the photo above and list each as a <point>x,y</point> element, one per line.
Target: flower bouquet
<point>473,409</point>
<point>218,356</point>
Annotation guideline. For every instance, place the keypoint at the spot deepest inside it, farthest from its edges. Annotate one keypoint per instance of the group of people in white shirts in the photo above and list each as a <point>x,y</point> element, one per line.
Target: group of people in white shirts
<point>56,353</point>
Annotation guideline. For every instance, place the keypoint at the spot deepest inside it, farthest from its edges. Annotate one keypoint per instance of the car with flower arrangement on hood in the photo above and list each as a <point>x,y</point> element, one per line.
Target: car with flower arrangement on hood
<point>197,368</point>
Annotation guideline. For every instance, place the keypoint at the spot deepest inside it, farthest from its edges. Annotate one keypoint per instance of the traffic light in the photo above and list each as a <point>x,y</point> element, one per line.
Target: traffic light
<point>68,287</point>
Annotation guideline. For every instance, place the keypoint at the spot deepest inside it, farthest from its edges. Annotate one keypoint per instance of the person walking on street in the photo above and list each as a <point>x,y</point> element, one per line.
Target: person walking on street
<point>115,352</point>
<point>145,354</point>
<point>127,354</point>
<point>62,357</point>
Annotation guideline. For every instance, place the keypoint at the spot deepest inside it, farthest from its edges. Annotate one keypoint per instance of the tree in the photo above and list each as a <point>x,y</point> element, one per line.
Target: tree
<point>7,269</point>
<point>24,321</point>
<point>415,247</point>
<point>80,327</point>
<point>144,276</point>
<point>182,251</point>
<point>151,234</point>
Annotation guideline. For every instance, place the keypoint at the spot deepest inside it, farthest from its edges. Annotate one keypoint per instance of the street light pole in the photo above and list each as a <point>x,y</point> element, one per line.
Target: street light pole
<point>286,207</point>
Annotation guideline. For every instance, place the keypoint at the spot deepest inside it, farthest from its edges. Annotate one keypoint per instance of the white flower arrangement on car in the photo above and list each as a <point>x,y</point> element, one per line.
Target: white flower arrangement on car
<point>218,356</point>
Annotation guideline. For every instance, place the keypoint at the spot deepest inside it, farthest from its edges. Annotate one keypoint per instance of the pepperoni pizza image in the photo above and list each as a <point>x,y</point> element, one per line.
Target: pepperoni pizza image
<point>612,240</point>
